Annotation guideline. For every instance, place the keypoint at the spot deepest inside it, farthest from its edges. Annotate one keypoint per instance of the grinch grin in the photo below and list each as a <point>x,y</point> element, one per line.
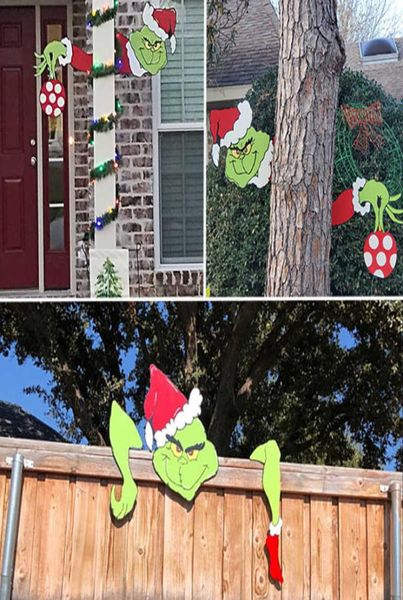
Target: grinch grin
<point>155,56</point>
<point>244,170</point>
<point>180,483</point>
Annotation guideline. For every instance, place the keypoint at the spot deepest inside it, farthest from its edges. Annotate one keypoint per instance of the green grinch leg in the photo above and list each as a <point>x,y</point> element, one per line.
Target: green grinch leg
<point>186,460</point>
<point>245,158</point>
<point>149,49</point>
<point>123,436</point>
<point>269,455</point>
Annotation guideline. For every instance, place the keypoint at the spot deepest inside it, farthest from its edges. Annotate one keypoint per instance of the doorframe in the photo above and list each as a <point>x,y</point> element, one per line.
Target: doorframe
<point>70,119</point>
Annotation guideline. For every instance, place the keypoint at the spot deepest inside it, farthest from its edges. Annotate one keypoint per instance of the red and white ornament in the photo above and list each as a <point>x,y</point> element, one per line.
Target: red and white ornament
<point>52,98</point>
<point>380,253</point>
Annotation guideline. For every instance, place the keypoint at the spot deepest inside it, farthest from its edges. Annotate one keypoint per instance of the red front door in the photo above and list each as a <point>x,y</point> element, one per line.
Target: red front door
<point>18,149</point>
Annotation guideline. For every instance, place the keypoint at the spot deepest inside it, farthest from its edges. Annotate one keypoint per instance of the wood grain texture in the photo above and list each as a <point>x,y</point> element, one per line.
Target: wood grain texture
<point>333,546</point>
<point>241,474</point>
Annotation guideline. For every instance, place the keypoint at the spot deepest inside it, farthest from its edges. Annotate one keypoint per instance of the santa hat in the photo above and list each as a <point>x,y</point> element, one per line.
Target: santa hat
<point>228,126</point>
<point>166,409</point>
<point>348,203</point>
<point>162,21</point>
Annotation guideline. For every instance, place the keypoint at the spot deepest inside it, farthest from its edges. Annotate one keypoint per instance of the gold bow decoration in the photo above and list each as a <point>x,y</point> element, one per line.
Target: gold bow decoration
<point>365,118</point>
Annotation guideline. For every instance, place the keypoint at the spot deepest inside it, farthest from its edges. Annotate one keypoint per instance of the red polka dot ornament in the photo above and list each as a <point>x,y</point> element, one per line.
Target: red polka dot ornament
<point>52,98</point>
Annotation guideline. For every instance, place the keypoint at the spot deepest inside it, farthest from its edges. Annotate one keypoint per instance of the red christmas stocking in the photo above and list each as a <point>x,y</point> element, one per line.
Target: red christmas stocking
<point>274,565</point>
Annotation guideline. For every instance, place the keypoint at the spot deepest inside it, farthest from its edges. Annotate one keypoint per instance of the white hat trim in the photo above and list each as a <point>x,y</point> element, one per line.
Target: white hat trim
<point>363,209</point>
<point>173,44</point>
<point>241,125</point>
<point>190,411</point>
<point>275,529</point>
<point>152,23</point>
<point>66,60</point>
<point>215,154</point>
<point>264,173</point>
<point>135,66</point>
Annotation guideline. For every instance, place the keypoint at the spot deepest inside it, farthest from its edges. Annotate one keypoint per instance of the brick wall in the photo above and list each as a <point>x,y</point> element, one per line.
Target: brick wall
<point>135,226</point>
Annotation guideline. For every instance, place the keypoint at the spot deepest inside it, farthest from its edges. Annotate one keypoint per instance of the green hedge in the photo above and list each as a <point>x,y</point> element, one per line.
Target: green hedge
<point>238,220</point>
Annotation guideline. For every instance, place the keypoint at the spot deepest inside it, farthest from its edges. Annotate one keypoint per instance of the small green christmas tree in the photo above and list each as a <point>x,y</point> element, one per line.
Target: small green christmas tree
<point>109,284</point>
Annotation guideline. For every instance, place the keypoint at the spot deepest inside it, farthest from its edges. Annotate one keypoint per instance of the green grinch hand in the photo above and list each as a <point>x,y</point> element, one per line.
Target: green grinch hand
<point>123,436</point>
<point>245,158</point>
<point>49,58</point>
<point>186,460</point>
<point>149,49</point>
<point>377,195</point>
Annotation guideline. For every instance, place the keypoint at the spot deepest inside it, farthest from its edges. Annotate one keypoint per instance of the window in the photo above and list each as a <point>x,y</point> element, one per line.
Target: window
<point>379,50</point>
<point>178,112</point>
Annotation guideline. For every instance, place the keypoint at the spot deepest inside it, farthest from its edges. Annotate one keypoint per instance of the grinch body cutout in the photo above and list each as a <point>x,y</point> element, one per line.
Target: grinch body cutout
<point>144,52</point>
<point>184,458</point>
<point>249,152</point>
<point>364,197</point>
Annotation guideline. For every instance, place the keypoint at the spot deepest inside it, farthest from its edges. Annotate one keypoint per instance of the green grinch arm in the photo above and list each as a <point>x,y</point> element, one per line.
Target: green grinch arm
<point>123,435</point>
<point>269,455</point>
<point>49,58</point>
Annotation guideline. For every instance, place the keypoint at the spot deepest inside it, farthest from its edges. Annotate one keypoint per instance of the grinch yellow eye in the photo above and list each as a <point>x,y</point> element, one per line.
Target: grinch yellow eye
<point>235,152</point>
<point>157,45</point>
<point>147,44</point>
<point>176,451</point>
<point>247,149</point>
<point>192,454</point>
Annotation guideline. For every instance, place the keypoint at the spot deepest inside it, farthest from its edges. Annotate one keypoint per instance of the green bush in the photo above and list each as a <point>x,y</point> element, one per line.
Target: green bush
<point>238,220</point>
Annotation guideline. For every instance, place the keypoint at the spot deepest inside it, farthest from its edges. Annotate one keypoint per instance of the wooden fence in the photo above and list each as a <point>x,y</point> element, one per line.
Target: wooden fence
<point>334,544</point>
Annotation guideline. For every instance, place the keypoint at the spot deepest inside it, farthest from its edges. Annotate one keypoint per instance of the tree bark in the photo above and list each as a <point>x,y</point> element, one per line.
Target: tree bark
<point>311,59</point>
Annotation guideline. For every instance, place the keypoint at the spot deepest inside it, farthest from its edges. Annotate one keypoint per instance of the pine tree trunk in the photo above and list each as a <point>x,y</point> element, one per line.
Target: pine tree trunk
<point>311,59</point>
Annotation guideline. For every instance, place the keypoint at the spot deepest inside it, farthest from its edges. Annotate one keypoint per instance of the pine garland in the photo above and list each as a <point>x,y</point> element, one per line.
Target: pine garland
<point>107,217</point>
<point>106,122</point>
<point>100,16</point>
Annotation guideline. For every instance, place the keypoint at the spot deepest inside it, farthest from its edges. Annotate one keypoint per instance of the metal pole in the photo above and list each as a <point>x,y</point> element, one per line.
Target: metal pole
<point>396,551</point>
<point>13,517</point>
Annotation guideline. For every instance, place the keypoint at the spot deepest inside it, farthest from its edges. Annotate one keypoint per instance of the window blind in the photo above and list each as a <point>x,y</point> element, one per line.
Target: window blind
<point>181,189</point>
<point>182,81</point>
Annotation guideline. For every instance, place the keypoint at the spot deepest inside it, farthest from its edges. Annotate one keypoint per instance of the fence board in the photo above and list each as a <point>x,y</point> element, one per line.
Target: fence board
<point>333,546</point>
<point>146,545</point>
<point>49,539</point>
<point>293,554</point>
<point>178,558</point>
<point>208,541</point>
<point>377,544</point>
<point>323,550</point>
<point>353,550</point>
<point>23,563</point>
<point>237,547</point>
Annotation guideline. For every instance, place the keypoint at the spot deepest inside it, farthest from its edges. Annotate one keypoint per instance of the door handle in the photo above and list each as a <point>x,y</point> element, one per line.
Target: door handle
<point>33,160</point>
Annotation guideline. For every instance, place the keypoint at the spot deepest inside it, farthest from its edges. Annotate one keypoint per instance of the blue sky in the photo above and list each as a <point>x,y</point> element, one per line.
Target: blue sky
<point>16,377</point>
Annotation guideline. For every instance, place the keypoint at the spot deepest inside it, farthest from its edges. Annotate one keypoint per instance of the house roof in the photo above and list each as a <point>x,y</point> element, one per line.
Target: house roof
<point>388,74</point>
<point>256,47</point>
<point>15,422</point>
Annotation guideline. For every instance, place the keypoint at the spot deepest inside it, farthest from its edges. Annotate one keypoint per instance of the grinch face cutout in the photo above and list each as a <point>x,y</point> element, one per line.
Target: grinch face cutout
<point>149,49</point>
<point>249,154</point>
<point>184,457</point>
<point>245,159</point>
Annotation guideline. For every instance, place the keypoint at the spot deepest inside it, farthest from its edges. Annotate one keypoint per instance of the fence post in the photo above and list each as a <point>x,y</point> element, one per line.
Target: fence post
<point>13,517</point>
<point>396,585</point>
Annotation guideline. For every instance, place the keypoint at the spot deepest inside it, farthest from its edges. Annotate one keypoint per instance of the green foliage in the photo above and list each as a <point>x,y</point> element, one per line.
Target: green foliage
<point>323,379</point>
<point>238,220</point>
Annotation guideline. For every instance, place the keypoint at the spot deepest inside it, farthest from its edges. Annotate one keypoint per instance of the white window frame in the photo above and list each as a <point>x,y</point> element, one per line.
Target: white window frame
<point>159,127</point>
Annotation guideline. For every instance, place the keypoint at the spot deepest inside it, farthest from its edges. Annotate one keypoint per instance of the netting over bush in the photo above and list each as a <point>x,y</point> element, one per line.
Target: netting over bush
<point>238,220</point>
